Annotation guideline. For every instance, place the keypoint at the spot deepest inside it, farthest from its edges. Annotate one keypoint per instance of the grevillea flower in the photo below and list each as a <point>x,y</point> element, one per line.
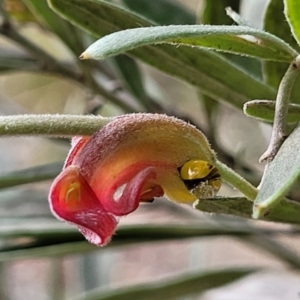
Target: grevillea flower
<point>133,159</point>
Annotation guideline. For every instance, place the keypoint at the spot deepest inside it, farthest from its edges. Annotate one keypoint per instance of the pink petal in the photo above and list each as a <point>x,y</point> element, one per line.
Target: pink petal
<point>78,143</point>
<point>72,200</point>
<point>130,197</point>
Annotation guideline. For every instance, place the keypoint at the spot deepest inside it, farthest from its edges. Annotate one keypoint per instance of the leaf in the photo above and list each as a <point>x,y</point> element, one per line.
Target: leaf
<point>291,11</point>
<point>264,110</point>
<point>237,206</point>
<point>274,71</point>
<point>58,250</point>
<point>69,34</point>
<point>48,230</point>
<point>19,202</point>
<point>163,12</point>
<point>25,237</point>
<point>132,76</point>
<point>215,15</point>
<point>216,76</point>
<point>230,39</point>
<point>280,175</point>
<point>35,174</point>
<point>176,288</point>
<point>285,211</point>
<point>17,63</point>
<point>19,11</point>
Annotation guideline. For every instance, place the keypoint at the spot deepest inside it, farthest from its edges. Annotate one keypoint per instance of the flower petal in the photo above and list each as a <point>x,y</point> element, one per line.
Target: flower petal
<point>129,199</point>
<point>77,143</point>
<point>72,200</point>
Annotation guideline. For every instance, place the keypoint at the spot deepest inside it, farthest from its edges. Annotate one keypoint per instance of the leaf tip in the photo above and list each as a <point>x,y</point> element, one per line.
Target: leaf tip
<point>84,56</point>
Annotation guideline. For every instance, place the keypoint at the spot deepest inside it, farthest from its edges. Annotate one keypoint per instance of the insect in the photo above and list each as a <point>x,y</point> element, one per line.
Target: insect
<point>201,178</point>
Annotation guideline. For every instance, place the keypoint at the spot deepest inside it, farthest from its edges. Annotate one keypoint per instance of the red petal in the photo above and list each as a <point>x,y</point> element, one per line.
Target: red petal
<point>72,199</point>
<point>77,143</point>
<point>132,193</point>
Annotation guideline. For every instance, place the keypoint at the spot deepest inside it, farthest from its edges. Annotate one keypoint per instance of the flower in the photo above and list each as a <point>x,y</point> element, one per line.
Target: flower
<point>133,159</point>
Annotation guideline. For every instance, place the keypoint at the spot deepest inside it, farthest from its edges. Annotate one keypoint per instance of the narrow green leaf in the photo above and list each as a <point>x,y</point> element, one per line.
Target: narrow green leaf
<point>163,12</point>
<point>18,63</point>
<point>48,230</point>
<point>58,250</point>
<point>39,228</point>
<point>280,175</point>
<point>229,39</point>
<point>264,110</point>
<point>18,11</point>
<point>237,206</point>
<point>216,76</point>
<point>69,34</point>
<point>25,237</point>
<point>215,14</point>
<point>132,76</point>
<point>35,174</point>
<point>19,202</point>
<point>291,10</point>
<point>286,211</point>
<point>275,23</point>
<point>192,284</point>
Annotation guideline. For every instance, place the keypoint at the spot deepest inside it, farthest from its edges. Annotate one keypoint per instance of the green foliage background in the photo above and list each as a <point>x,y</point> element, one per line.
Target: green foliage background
<point>41,74</point>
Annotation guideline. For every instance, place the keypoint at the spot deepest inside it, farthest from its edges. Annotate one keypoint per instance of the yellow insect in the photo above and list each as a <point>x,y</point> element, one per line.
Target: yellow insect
<point>201,178</point>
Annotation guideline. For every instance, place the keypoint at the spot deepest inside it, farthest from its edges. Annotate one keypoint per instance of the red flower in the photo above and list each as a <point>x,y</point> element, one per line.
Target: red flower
<point>133,159</point>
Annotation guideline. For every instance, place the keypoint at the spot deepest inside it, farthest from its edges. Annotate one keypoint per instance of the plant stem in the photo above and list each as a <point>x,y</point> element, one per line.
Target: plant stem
<point>51,125</point>
<point>280,131</point>
<point>237,181</point>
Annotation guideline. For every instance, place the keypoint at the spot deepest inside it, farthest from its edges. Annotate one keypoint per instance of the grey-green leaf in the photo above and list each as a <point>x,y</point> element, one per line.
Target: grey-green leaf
<point>280,175</point>
<point>286,211</point>
<point>9,62</point>
<point>291,10</point>
<point>34,174</point>
<point>264,110</point>
<point>230,39</point>
<point>275,23</point>
<point>46,237</point>
<point>210,72</point>
<point>132,76</point>
<point>216,15</point>
<point>194,284</point>
<point>163,12</point>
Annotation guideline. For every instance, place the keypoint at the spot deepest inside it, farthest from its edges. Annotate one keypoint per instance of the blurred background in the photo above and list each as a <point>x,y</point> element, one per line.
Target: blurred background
<point>42,258</point>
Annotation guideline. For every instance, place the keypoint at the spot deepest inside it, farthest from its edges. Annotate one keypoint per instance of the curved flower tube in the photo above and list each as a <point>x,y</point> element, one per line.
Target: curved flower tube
<point>133,159</point>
